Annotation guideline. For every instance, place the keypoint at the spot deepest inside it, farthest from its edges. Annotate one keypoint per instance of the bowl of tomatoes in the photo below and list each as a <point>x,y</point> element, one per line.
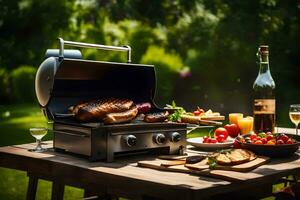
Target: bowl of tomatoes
<point>268,144</point>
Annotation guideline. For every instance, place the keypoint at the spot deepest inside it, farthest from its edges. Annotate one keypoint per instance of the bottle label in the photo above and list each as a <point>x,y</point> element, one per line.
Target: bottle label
<point>264,106</point>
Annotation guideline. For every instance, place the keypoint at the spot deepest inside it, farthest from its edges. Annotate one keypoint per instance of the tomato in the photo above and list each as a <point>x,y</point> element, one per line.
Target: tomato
<point>221,131</point>
<point>232,129</point>
<point>253,136</point>
<point>220,138</point>
<point>269,137</point>
<point>258,142</point>
<point>213,140</point>
<point>289,141</point>
<point>284,138</point>
<point>196,112</point>
<point>280,141</point>
<point>264,140</point>
<point>254,140</point>
<point>271,142</point>
<point>205,139</point>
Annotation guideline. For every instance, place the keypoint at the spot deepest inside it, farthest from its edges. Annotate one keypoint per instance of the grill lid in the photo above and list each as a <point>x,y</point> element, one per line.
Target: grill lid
<point>62,82</point>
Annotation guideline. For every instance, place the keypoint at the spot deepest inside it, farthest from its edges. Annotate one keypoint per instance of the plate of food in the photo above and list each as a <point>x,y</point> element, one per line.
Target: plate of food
<point>211,144</point>
<point>268,144</point>
<point>219,140</point>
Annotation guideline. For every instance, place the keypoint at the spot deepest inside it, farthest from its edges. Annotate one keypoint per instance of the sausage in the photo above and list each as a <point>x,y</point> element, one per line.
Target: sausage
<point>143,107</point>
<point>156,117</point>
<point>120,117</point>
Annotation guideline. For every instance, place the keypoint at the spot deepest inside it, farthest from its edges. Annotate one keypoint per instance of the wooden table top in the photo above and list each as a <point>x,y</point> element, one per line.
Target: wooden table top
<point>124,178</point>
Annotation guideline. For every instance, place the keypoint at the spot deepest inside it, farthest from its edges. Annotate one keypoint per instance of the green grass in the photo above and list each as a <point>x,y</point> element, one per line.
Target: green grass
<point>15,120</point>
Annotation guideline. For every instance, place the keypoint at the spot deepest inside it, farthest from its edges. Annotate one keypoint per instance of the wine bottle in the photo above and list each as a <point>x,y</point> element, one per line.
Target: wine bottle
<point>264,94</point>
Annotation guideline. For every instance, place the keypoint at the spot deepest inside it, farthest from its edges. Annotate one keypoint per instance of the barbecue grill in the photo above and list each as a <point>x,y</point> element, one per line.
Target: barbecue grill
<point>65,79</point>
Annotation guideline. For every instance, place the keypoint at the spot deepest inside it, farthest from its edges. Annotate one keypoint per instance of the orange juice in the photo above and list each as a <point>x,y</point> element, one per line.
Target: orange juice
<point>233,117</point>
<point>245,124</point>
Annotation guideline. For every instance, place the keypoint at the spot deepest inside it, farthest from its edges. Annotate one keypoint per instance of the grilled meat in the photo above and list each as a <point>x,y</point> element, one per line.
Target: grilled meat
<point>98,109</point>
<point>143,107</point>
<point>156,117</point>
<point>120,117</point>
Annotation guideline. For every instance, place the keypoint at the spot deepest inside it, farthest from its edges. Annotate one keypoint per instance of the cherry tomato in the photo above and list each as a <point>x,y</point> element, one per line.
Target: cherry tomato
<point>280,141</point>
<point>289,141</point>
<point>220,138</point>
<point>213,140</point>
<point>205,139</point>
<point>196,112</point>
<point>269,137</point>
<point>264,140</point>
<point>258,142</point>
<point>221,131</point>
<point>253,136</point>
<point>284,138</point>
<point>232,129</point>
<point>271,142</point>
<point>254,140</point>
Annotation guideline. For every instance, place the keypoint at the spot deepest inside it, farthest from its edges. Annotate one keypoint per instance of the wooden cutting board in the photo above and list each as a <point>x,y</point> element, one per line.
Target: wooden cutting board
<point>230,173</point>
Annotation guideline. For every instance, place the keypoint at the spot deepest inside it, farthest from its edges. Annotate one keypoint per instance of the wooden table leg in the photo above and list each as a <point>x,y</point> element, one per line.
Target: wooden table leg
<point>32,187</point>
<point>57,190</point>
<point>90,194</point>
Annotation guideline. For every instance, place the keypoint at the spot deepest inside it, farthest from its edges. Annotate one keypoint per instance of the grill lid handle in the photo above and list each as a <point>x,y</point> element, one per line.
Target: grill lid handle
<point>63,42</point>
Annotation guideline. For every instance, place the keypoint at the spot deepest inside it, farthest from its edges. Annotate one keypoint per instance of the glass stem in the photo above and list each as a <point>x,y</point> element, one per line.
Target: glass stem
<point>38,144</point>
<point>296,129</point>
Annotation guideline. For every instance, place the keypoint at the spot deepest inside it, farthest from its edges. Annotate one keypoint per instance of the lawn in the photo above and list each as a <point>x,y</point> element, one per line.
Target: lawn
<point>15,120</point>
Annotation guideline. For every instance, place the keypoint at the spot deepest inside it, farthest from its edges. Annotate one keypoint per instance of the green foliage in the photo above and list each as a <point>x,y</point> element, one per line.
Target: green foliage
<point>168,66</point>
<point>22,80</point>
<point>3,85</point>
<point>28,27</point>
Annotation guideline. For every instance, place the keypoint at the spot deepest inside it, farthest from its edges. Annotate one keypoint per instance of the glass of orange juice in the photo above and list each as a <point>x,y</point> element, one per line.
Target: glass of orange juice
<point>233,118</point>
<point>245,124</point>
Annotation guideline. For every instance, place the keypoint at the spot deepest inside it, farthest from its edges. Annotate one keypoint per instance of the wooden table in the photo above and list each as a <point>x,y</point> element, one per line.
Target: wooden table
<point>124,179</point>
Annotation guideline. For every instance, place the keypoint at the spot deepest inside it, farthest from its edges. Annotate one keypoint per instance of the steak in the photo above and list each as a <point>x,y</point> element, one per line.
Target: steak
<point>98,109</point>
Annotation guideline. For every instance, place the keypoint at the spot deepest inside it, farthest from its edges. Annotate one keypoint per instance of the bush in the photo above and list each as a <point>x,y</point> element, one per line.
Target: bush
<point>22,80</point>
<point>3,85</point>
<point>168,67</point>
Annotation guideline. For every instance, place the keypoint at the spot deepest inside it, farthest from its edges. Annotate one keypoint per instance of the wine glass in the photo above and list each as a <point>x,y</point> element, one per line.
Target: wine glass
<point>38,133</point>
<point>295,115</point>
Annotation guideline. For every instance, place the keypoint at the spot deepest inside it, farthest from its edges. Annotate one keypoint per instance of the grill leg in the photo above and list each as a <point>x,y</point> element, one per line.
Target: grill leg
<point>32,186</point>
<point>57,190</point>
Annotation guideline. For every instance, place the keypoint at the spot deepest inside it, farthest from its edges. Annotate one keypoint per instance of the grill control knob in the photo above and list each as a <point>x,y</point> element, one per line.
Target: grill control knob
<point>130,140</point>
<point>159,138</point>
<point>175,137</point>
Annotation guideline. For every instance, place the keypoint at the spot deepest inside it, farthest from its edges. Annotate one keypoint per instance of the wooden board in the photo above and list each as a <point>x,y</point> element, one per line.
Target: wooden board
<point>230,173</point>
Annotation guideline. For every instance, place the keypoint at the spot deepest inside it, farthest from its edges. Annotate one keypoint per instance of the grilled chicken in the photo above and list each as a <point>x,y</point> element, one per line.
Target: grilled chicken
<point>98,109</point>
